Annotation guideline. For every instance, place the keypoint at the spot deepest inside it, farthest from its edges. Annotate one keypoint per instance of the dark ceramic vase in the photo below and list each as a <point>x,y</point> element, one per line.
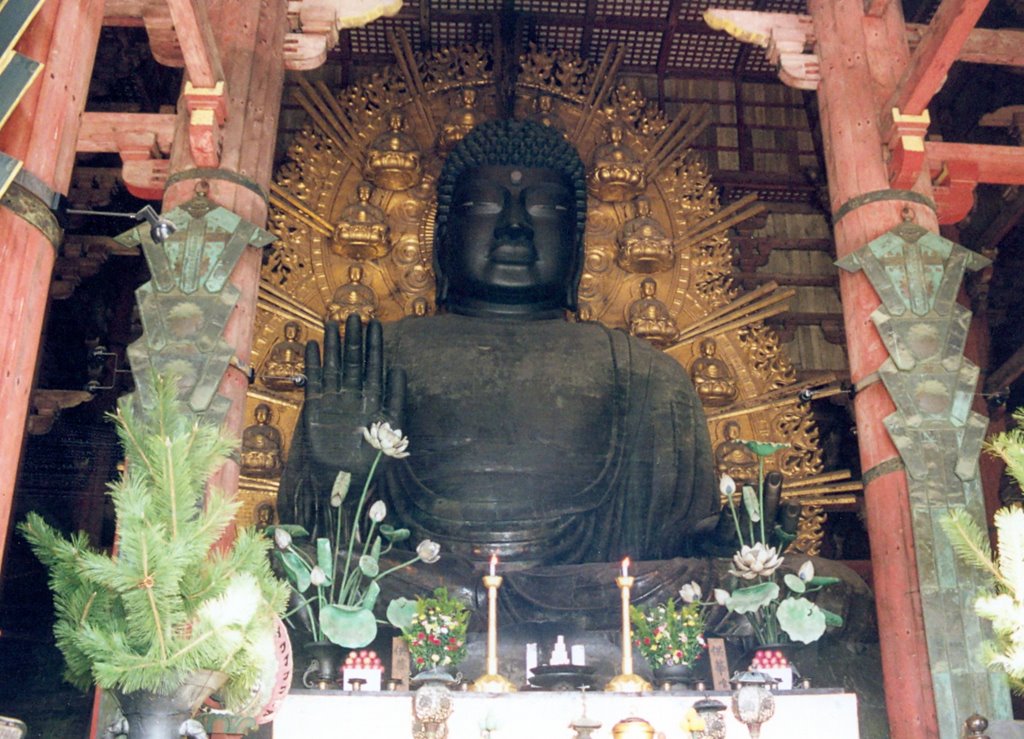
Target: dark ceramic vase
<point>160,715</point>
<point>682,675</point>
<point>325,657</point>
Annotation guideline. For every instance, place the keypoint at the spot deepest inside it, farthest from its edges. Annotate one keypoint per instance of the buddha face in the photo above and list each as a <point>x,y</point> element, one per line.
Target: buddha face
<point>510,239</point>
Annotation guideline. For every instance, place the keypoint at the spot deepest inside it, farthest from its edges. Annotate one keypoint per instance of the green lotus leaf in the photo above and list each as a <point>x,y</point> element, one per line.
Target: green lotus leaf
<point>324,558</point>
<point>348,626</point>
<point>820,582</point>
<point>368,566</point>
<point>832,619</point>
<point>764,448</point>
<point>748,600</point>
<point>295,569</point>
<point>370,597</point>
<point>394,535</point>
<point>400,613</point>
<point>801,619</point>
<point>794,583</point>
<point>291,528</point>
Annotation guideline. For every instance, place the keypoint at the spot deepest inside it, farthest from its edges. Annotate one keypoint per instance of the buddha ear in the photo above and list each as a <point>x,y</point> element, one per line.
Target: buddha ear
<point>440,271</point>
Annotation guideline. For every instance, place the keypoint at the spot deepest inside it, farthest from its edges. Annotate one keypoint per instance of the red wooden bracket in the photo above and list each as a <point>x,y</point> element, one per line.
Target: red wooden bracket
<point>906,148</point>
<point>207,109</point>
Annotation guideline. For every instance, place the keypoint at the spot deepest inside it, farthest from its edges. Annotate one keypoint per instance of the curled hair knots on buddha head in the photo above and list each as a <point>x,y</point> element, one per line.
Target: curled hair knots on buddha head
<point>512,143</point>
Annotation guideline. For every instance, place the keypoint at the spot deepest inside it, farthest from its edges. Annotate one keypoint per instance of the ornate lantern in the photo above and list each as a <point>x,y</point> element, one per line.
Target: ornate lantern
<point>752,700</point>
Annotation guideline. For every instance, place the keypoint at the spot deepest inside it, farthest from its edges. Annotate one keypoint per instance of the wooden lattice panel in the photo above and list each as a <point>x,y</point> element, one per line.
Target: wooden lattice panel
<point>633,8</point>
<point>552,36</point>
<point>372,39</point>
<point>641,47</point>
<point>694,11</point>
<point>690,50</point>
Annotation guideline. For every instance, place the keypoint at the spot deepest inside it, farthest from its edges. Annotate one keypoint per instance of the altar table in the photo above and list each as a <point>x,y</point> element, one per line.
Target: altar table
<point>335,714</point>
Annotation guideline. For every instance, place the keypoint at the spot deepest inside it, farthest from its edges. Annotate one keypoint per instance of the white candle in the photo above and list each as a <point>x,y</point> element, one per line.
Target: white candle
<point>625,567</point>
<point>494,564</point>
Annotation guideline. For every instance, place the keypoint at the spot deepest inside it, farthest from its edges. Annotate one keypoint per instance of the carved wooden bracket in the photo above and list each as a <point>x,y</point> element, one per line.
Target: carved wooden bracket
<point>906,148</point>
<point>207,111</point>
<point>47,405</point>
<point>140,138</point>
<point>788,40</point>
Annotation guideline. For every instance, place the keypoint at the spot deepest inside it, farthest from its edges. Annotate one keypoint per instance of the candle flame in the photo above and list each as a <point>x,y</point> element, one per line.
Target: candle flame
<point>494,563</point>
<point>625,567</point>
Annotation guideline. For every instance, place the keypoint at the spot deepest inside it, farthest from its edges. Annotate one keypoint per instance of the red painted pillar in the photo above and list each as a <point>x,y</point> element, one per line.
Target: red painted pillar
<point>861,60</point>
<point>250,41</point>
<point>42,132</point>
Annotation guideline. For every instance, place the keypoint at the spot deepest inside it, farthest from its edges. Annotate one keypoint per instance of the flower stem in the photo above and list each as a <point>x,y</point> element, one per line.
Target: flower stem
<point>735,517</point>
<point>760,493</point>
<point>346,586</point>
<point>396,567</point>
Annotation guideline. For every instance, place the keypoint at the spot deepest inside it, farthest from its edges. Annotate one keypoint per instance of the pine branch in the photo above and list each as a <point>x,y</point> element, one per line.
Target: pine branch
<point>970,542</point>
<point>1010,530</point>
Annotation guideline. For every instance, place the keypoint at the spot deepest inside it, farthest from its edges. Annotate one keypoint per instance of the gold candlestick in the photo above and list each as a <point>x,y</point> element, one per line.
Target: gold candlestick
<point>626,682</point>
<point>492,682</point>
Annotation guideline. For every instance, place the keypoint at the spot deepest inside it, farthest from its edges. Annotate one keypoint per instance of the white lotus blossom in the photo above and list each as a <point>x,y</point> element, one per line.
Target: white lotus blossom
<point>381,436</point>
<point>756,561</point>
<point>429,551</point>
<point>282,539</point>
<point>317,576</point>
<point>378,511</point>
<point>726,485</point>
<point>806,571</point>
<point>722,597</point>
<point>690,592</point>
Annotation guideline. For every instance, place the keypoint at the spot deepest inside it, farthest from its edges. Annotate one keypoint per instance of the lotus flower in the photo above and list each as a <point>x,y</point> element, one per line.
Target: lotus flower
<point>806,571</point>
<point>726,486</point>
<point>390,441</point>
<point>282,539</point>
<point>721,597</point>
<point>428,551</point>
<point>317,576</point>
<point>690,592</point>
<point>756,561</point>
<point>378,511</point>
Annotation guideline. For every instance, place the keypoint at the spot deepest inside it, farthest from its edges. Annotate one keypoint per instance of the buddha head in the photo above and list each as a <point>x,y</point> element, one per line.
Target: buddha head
<point>510,218</point>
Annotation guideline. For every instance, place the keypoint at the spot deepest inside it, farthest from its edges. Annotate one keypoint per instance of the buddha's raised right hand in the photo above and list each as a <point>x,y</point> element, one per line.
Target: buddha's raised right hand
<point>346,393</point>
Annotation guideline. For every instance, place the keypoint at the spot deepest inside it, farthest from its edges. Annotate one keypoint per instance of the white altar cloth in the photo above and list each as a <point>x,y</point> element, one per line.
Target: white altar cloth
<point>334,714</point>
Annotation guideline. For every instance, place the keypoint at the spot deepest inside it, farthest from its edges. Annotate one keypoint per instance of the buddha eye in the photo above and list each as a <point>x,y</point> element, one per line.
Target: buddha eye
<point>482,206</point>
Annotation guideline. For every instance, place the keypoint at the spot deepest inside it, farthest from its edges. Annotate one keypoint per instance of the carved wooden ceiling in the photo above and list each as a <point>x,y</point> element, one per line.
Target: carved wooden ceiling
<point>666,37</point>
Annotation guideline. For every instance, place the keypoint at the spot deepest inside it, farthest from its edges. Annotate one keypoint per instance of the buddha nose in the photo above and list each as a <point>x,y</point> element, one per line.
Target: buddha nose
<point>515,223</point>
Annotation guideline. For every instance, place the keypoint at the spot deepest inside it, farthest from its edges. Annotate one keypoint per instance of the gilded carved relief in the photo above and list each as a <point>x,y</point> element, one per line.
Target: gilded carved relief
<point>658,262</point>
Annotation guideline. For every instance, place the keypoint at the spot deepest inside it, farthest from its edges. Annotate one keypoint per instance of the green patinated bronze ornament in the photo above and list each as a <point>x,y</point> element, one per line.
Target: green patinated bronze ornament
<point>186,304</point>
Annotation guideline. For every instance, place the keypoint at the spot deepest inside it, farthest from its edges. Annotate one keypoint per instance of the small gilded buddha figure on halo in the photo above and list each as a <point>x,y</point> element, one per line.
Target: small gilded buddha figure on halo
<point>733,457</point>
<point>459,121</point>
<point>393,161</point>
<point>617,174</point>
<point>362,231</point>
<point>262,447</point>
<point>353,298</point>
<point>286,362</point>
<point>544,111</point>
<point>649,317</point>
<point>714,381</point>
<point>644,247</point>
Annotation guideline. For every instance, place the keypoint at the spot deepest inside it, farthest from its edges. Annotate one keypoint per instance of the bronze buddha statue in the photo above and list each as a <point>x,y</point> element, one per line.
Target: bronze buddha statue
<point>548,442</point>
